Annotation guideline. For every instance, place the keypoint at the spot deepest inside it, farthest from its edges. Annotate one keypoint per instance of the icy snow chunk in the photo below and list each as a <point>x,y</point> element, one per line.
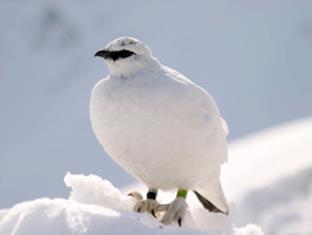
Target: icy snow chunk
<point>94,190</point>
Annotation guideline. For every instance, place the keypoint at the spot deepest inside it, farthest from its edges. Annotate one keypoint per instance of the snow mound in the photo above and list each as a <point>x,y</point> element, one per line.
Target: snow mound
<point>94,207</point>
<point>94,190</point>
<point>268,179</point>
<point>272,154</point>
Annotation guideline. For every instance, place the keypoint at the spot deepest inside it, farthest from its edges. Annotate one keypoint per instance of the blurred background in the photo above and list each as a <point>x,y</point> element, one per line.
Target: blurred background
<point>254,57</point>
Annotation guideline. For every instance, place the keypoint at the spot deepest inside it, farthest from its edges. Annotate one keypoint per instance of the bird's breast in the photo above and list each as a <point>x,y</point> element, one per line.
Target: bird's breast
<point>122,106</point>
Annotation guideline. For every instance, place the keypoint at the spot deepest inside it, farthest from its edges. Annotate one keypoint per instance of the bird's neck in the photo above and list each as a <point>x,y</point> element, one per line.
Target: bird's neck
<point>126,68</point>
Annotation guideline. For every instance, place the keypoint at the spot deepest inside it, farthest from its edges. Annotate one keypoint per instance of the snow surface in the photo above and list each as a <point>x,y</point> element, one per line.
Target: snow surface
<point>254,57</point>
<point>89,211</point>
<point>268,181</point>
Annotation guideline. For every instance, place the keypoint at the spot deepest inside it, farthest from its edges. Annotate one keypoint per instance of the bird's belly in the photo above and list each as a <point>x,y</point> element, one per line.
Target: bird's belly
<point>159,154</point>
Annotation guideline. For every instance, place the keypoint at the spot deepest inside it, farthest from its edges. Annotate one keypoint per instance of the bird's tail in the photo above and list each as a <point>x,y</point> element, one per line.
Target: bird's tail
<point>212,197</point>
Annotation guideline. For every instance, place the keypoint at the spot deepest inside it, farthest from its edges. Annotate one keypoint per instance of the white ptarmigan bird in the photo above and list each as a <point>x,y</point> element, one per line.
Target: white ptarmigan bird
<point>160,127</point>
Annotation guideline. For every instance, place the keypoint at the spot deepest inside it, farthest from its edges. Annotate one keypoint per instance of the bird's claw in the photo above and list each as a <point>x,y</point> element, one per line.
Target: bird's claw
<point>180,222</point>
<point>153,213</point>
<point>136,195</point>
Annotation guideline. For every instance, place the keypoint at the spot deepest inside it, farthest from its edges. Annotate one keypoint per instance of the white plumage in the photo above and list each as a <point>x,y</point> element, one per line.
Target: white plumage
<point>158,125</point>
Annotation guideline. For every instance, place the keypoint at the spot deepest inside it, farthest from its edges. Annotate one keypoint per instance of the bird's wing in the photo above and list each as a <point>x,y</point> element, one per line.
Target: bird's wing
<point>207,99</point>
<point>210,192</point>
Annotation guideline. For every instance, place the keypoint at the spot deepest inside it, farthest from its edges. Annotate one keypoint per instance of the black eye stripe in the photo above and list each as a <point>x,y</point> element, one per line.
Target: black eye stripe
<point>116,55</point>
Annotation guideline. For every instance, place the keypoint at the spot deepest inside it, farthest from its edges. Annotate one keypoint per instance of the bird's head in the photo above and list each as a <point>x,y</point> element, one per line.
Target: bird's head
<point>125,55</point>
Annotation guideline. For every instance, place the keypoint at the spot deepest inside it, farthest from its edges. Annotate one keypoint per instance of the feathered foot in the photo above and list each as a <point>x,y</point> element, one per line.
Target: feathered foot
<point>176,210</point>
<point>149,205</point>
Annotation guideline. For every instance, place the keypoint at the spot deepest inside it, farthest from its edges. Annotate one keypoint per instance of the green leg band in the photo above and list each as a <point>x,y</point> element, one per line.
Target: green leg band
<point>182,193</point>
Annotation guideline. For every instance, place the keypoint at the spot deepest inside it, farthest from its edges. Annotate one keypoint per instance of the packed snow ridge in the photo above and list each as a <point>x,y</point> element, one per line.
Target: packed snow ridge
<point>94,207</point>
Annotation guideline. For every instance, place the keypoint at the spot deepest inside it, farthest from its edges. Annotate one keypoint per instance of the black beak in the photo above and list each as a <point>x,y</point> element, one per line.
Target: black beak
<point>103,53</point>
